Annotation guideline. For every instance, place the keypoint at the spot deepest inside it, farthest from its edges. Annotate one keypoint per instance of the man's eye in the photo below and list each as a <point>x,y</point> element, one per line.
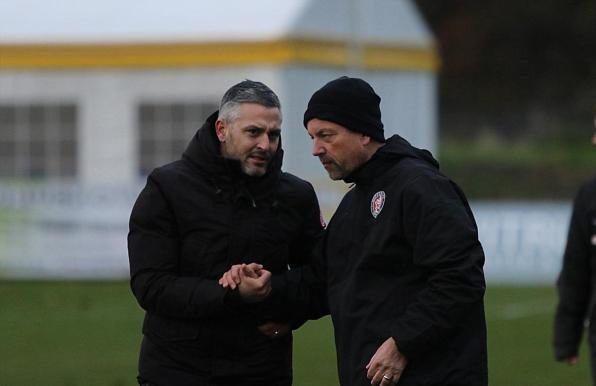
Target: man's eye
<point>274,136</point>
<point>253,131</point>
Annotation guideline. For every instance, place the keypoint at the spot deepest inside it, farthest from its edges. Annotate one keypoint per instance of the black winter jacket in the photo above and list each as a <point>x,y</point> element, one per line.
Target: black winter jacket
<point>403,260</point>
<point>577,280</point>
<point>194,219</point>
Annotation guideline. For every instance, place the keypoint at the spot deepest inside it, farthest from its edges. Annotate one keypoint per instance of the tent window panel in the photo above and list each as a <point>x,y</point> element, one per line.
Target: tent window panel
<point>166,128</point>
<point>32,138</point>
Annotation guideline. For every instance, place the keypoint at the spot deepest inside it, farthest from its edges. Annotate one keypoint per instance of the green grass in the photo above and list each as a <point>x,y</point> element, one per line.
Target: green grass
<point>88,334</point>
<point>493,169</point>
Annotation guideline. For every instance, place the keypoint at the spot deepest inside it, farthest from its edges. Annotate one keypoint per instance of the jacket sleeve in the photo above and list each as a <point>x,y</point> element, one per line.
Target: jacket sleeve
<point>300,291</point>
<point>573,284</point>
<point>153,250</point>
<point>440,228</point>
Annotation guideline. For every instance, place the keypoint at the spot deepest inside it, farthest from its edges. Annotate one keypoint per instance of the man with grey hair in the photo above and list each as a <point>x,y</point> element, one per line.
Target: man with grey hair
<point>225,202</point>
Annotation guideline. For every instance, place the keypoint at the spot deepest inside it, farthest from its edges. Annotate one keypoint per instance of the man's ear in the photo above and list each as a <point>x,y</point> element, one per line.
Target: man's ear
<point>220,130</point>
<point>365,140</point>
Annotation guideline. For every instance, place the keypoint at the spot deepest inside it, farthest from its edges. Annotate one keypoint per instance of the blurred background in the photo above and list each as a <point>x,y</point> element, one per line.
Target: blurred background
<point>93,95</point>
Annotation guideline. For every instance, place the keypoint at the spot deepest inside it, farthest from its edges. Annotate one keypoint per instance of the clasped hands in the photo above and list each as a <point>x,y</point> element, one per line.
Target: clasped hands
<point>254,285</point>
<point>252,280</point>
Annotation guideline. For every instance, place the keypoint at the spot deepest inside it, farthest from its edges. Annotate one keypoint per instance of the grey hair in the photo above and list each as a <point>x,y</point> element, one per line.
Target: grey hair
<point>247,91</point>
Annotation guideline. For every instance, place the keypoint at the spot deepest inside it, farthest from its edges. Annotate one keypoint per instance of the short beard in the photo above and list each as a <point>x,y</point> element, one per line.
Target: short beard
<point>253,172</point>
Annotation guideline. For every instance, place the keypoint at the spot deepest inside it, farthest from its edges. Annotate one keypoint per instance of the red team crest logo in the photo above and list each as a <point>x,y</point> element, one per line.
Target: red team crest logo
<point>377,202</point>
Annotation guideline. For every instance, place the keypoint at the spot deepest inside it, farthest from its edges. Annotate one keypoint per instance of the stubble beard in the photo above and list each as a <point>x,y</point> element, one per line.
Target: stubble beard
<point>230,151</point>
<point>336,172</point>
<point>254,170</point>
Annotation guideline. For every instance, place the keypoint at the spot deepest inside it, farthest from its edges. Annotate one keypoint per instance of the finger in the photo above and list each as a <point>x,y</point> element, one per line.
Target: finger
<point>270,329</point>
<point>229,280</point>
<point>377,378</point>
<point>265,282</point>
<point>272,333</point>
<point>372,367</point>
<point>388,380</point>
<point>266,329</point>
<point>383,377</point>
<point>265,276</point>
<point>250,272</point>
<point>235,273</point>
<point>226,281</point>
<point>256,267</point>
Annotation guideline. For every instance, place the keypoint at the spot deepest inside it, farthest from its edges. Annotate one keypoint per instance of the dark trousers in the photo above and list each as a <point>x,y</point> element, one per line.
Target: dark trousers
<point>227,383</point>
<point>177,366</point>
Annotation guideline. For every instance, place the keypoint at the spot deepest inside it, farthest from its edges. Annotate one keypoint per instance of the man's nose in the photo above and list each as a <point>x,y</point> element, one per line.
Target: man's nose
<point>263,143</point>
<point>317,149</point>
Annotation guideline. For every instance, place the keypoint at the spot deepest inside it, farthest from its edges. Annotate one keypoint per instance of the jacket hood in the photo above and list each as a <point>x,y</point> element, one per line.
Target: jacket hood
<point>394,149</point>
<point>397,147</point>
<point>204,153</point>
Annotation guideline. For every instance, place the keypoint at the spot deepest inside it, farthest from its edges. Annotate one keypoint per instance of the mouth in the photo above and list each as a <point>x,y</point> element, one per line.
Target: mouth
<point>259,158</point>
<point>326,163</point>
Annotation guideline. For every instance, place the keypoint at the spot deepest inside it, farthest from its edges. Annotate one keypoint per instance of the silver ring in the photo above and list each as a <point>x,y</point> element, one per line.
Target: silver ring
<point>387,377</point>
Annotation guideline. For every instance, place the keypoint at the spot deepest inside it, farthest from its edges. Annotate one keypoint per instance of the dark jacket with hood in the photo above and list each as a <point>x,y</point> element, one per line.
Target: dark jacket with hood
<point>194,219</point>
<point>577,281</point>
<point>403,260</point>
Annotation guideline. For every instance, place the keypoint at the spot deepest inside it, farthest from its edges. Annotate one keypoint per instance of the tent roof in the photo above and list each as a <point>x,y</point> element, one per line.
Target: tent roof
<point>151,21</point>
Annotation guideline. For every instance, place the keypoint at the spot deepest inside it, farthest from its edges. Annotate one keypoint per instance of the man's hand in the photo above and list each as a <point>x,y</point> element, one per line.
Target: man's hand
<point>386,366</point>
<point>231,278</point>
<point>253,282</point>
<point>570,361</point>
<point>274,330</point>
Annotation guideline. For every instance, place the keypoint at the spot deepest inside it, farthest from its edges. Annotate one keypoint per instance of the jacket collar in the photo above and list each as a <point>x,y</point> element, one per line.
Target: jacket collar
<point>395,149</point>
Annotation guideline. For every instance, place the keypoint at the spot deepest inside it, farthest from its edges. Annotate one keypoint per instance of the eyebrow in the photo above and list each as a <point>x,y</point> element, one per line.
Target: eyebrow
<point>326,130</point>
<point>251,127</point>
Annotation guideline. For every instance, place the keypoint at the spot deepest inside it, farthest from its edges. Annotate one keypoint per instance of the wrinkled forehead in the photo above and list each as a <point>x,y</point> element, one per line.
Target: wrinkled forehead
<point>317,125</point>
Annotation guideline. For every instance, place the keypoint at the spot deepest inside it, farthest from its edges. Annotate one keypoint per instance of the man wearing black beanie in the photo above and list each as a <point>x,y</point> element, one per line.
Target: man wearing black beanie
<point>402,262</point>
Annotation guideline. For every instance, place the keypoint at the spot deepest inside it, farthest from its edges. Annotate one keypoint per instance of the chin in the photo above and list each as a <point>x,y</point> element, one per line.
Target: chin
<point>254,172</point>
<point>335,177</point>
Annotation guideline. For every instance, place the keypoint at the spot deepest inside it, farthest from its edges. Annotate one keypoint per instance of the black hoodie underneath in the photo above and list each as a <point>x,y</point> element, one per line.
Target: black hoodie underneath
<point>403,260</point>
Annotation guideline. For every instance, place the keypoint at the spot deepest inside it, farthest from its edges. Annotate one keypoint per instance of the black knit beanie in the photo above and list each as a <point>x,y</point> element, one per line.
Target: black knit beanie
<point>350,102</point>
